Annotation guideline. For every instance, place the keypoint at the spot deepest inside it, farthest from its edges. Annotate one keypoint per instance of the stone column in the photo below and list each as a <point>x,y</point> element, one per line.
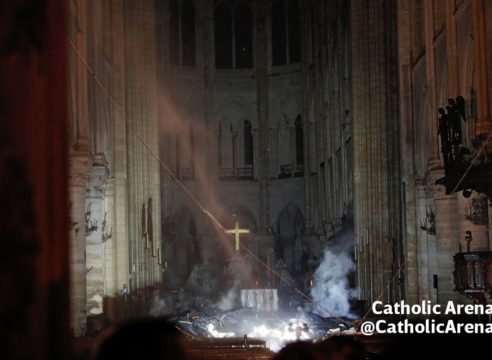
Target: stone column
<point>262,86</point>
<point>96,227</point>
<point>80,77</point>
<point>98,101</point>
<point>306,116</point>
<point>119,161</point>
<point>434,161</point>
<point>484,123</point>
<point>142,140</point>
<point>78,178</point>
<point>377,189</point>
<point>207,161</point>
<point>109,244</point>
<point>447,233</point>
<point>417,254</point>
<point>452,49</point>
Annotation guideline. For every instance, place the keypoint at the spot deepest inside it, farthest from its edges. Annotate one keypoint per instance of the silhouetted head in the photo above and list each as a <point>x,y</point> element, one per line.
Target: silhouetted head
<point>341,347</point>
<point>301,350</point>
<point>143,339</point>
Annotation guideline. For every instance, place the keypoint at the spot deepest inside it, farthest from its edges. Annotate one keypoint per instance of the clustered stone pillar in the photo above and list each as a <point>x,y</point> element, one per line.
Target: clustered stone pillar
<point>79,78</point>
<point>143,171</point>
<point>263,110</point>
<point>377,202</point>
<point>484,123</point>
<point>79,167</point>
<point>98,228</point>
<point>117,247</point>
<point>262,85</point>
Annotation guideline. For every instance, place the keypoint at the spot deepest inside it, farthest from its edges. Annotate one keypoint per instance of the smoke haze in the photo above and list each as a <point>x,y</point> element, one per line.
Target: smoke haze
<point>332,291</point>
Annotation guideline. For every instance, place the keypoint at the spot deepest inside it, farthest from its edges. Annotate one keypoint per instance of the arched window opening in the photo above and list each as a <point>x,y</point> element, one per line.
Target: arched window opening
<point>288,239</point>
<point>294,33</point>
<point>233,36</point>
<point>279,36</point>
<point>182,33</point>
<point>243,33</point>
<point>223,36</point>
<point>187,34</point>
<point>174,46</point>
<point>285,27</point>
<point>248,144</point>
<point>236,150</point>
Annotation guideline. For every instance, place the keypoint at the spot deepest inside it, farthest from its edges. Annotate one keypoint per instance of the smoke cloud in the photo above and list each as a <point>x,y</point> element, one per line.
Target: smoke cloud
<point>229,300</point>
<point>332,291</point>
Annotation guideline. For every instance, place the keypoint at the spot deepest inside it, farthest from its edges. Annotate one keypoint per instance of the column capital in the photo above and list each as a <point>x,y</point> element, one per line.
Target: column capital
<point>97,181</point>
<point>79,166</point>
<point>421,189</point>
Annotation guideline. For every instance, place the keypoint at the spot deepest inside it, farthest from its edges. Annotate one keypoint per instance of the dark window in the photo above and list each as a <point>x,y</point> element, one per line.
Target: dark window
<point>243,36</point>
<point>181,33</point>
<point>233,36</point>
<point>299,141</point>
<point>286,47</point>
<point>187,34</point>
<point>223,36</point>
<point>174,32</point>
<point>294,32</point>
<point>279,35</point>
<point>248,143</point>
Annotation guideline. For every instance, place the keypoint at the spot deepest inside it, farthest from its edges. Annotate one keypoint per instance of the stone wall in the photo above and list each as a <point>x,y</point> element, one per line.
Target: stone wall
<point>214,103</point>
<point>442,54</point>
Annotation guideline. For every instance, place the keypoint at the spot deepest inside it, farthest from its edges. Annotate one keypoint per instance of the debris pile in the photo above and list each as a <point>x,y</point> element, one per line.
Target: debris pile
<point>276,328</point>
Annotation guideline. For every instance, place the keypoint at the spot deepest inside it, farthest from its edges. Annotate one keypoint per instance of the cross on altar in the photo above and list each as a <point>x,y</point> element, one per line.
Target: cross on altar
<point>237,231</point>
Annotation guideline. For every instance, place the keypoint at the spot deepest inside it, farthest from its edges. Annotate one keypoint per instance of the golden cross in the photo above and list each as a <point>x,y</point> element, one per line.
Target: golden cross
<point>237,231</point>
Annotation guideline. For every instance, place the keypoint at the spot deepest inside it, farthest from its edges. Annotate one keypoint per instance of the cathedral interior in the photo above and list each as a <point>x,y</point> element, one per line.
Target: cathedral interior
<point>234,165</point>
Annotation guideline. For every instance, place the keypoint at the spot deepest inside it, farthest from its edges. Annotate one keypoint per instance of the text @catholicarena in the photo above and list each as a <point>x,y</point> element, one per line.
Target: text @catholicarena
<point>427,325</point>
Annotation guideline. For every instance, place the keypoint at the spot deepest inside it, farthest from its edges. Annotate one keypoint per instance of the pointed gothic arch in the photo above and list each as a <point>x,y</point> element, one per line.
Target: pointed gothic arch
<point>289,228</point>
<point>235,140</point>
<point>241,214</point>
<point>186,246</point>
